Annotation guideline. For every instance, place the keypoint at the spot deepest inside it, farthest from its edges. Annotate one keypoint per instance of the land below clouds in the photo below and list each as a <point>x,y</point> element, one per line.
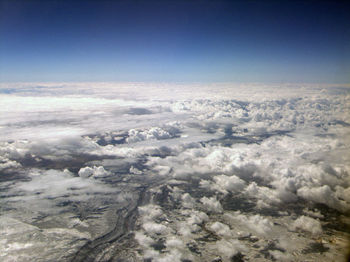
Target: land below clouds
<point>103,172</point>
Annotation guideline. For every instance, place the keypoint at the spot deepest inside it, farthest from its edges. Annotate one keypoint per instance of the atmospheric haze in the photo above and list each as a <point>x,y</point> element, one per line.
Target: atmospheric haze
<point>174,172</point>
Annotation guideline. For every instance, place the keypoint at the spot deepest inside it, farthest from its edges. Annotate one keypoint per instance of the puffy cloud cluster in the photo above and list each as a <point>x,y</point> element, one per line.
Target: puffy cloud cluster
<point>228,248</point>
<point>6,163</point>
<point>324,195</point>
<point>143,240</point>
<point>194,219</point>
<point>95,171</point>
<point>313,213</point>
<point>255,223</point>
<point>152,133</point>
<point>13,150</point>
<point>269,115</point>
<point>224,184</point>
<point>279,170</point>
<point>211,204</point>
<point>187,200</point>
<point>221,229</point>
<point>256,149</point>
<point>150,212</point>
<point>154,228</point>
<point>308,224</point>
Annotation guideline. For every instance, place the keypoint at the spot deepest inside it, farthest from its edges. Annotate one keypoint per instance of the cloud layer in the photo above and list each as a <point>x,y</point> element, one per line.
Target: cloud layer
<point>228,172</point>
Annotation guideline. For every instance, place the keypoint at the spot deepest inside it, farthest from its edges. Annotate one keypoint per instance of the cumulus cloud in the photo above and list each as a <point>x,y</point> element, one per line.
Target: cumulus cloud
<point>268,146</point>
<point>221,229</point>
<point>188,201</point>
<point>154,228</point>
<point>93,171</point>
<point>150,212</point>
<point>152,133</point>
<point>135,171</point>
<point>143,240</point>
<point>280,256</point>
<point>265,196</point>
<point>343,193</point>
<point>323,195</point>
<point>228,248</point>
<point>307,224</point>
<point>224,184</point>
<point>5,163</point>
<point>256,223</point>
<point>174,243</point>
<point>211,204</point>
<point>313,213</point>
<point>197,217</point>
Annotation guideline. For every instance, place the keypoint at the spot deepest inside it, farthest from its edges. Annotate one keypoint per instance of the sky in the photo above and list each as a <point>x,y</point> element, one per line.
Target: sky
<point>175,41</point>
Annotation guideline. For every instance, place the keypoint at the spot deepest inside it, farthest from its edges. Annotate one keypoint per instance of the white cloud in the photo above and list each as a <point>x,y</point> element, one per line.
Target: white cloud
<point>313,213</point>
<point>307,224</point>
<point>228,183</point>
<point>173,256</point>
<point>135,171</point>
<point>193,221</point>
<point>343,193</point>
<point>188,201</point>
<point>150,212</point>
<point>174,243</point>
<point>280,256</point>
<point>229,248</point>
<point>5,163</point>
<point>152,133</point>
<point>212,204</point>
<point>197,217</point>
<point>270,144</point>
<point>323,195</point>
<point>143,240</point>
<point>220,229</point>
<point>93,171</point>
<point>54,184</point>
<point>154,228</point>
<point>256,223</point>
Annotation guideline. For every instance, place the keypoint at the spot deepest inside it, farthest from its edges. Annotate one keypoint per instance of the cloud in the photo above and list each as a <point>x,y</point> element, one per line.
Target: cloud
<point>220,229</point>
<point>174,243</point>
<point>93,171</point>
<point>313,213</point>
<point>157,133</point>
<point>150,212</point>
<point>143,240</point>
<point>211,204</point>
<point>5,163</point>
<point>193,220</point>
<point>265,196</point>
<point>135,171</point>
<point>256,223</point>
<point>224,184</point>
<point>188,201</point>
<point>154,228</point>
<point>264,146</point>
<point>323,195</point>
<point>45,190</point>
<point>307,224</point>
<point>173,256</point>
<point>280,256</point>
<point>229,248</point>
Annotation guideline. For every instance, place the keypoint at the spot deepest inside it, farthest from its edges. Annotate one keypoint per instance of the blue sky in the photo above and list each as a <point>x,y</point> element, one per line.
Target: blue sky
<point>175,41</point>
